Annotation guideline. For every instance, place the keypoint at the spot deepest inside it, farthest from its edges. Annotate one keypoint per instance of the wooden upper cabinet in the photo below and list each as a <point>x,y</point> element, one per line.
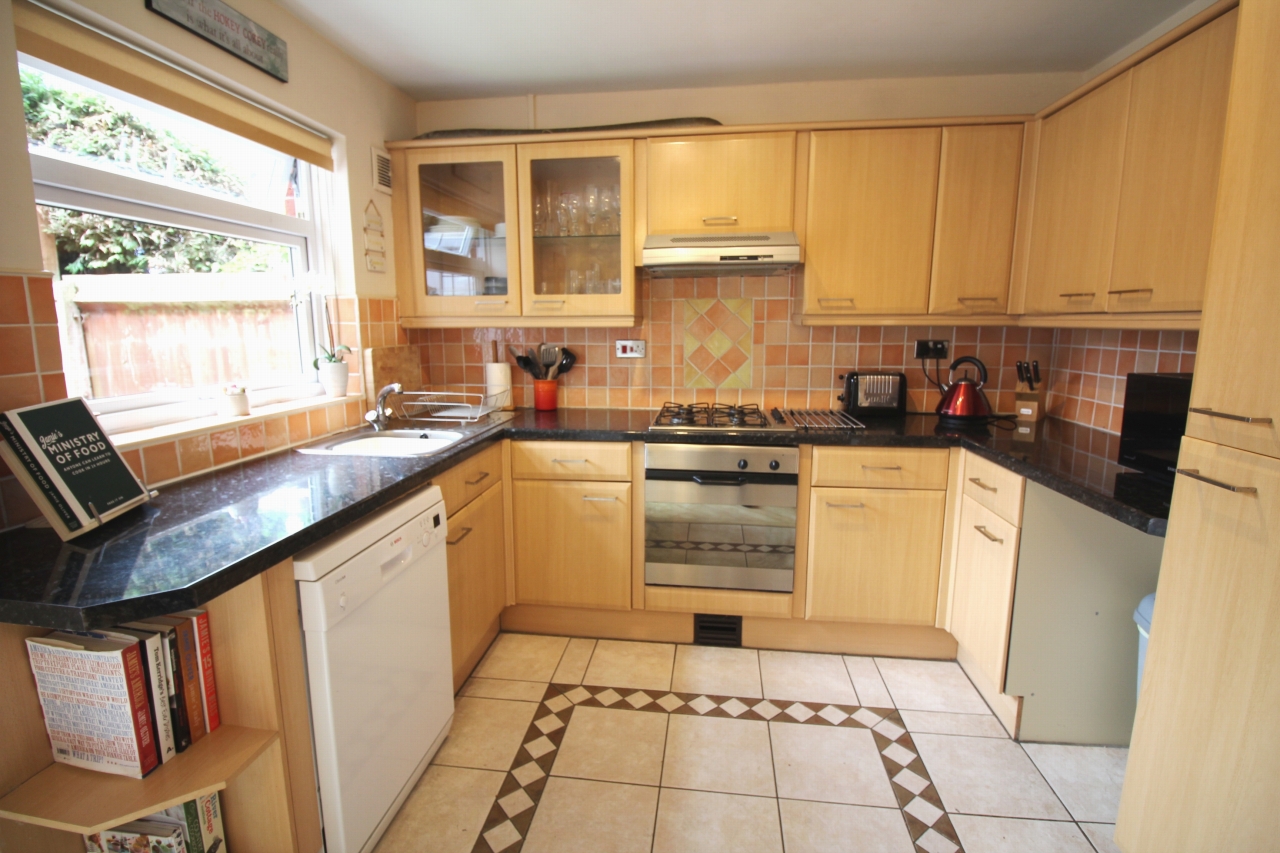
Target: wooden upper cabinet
<point>870,220</point>
<point>1177,115</point>
<point>1241,310</point>
<point>1073,225</point>
<point>461,218</point>
<point>722,184</point>
<point>977,206</point>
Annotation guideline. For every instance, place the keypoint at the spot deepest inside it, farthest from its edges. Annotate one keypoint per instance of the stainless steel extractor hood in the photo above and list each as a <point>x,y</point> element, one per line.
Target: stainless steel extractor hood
<point>670,255</point>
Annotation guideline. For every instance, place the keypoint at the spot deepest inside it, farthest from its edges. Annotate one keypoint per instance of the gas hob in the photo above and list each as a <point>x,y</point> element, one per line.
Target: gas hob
<point>717,417</point>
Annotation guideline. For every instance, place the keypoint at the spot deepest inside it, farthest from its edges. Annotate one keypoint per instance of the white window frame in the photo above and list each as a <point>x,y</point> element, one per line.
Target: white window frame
<point>61,182</point>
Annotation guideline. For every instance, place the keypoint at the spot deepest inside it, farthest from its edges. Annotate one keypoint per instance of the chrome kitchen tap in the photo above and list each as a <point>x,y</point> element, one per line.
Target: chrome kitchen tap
<point>381,414</point>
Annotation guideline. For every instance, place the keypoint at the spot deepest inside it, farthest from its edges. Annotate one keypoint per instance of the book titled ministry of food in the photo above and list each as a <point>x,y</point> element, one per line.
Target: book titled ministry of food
<point>63,458</point>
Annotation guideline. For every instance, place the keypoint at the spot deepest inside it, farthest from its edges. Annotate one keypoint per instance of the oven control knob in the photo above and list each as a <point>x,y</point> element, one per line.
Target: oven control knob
<point>774,465</point>
<point>742,464</point>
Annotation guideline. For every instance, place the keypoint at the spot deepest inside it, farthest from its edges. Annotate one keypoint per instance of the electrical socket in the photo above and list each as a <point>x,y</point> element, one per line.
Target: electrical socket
<point>629,349</point>
<point>931,349</point>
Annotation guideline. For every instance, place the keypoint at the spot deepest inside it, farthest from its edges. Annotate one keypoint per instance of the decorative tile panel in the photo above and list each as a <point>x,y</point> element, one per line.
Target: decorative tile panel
<point>718,343</point>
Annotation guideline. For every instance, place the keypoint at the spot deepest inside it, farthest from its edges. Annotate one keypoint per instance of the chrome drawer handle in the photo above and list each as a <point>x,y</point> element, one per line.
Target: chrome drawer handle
<point>484,475</point>
<point>1076,295</point>
<point>568,462</point>
<point>830,505</point>
<point>822,299</point>
<point>982,485</point>
<point>987,533</point>
<point>548,302</point>
<point>719,220</point>
<point>491,302</point>
<point>1243,419</point>
<point>466,531</point>
<point>1131,290</point>
<point>597,500</point>
<point>963,299</point>
<point>1194,473</point>
<point>881,467</point>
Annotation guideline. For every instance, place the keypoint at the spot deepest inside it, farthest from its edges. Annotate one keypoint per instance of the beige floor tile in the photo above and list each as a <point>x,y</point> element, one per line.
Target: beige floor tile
<point>486,733</point>
<point>579,816</point>
<point>1086,778</point>
<point>986,776</point>
<point>939,723</point>
<point>1003,835</point>
<point>930,685</point>
<point>826,827</point>
<point>832,765</point>
<point>500,688</point>
<point>444,813</point>
<point>1102,835</point>
<point>573,665</point>
<point>867,682</point>
<point>718,754</point>
<point>806,677</point>
<point>617,663</point>
<point>720,672</point>
<point>522,657</point>
<point>613,746</point>
<point>701,822</point>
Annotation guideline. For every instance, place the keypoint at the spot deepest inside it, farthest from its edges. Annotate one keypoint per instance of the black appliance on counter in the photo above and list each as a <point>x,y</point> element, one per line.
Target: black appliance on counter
<point>871,394</point>
<point>1155,418</point>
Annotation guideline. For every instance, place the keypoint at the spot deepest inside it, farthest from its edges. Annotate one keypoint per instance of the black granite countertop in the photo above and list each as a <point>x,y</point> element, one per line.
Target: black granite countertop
<point>204,536</point>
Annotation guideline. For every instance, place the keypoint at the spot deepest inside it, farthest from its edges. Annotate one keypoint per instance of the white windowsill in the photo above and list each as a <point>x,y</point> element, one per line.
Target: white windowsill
<point>198,426</point>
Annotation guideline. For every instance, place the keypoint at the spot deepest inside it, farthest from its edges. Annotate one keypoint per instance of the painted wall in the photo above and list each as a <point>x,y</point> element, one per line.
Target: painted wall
<point>835,100</point>
<point>328,90</point>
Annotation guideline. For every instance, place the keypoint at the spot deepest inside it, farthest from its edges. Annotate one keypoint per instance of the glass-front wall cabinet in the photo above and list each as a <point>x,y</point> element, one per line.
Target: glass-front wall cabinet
<point>468,263</point>
<point>575,208</point>
<point>510,235</point>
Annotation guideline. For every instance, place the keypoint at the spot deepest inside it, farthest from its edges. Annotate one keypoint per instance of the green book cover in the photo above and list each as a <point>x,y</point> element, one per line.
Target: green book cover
<point>67,456</point>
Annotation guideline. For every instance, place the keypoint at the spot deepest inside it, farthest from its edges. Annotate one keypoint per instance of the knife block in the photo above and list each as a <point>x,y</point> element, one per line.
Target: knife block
<point>1029,406</point>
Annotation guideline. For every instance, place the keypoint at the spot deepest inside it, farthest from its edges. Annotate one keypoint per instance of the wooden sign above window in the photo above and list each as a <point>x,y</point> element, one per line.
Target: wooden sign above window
<point>218,23</point>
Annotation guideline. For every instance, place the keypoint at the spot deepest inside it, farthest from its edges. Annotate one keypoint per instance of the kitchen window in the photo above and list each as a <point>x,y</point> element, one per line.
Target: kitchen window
<point>188,257</point>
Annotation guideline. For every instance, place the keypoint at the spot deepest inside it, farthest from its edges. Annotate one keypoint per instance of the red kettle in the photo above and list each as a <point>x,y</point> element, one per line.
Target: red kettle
<point>963,402</point>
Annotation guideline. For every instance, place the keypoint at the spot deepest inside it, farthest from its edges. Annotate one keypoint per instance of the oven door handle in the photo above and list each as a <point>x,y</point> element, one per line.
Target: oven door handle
<point>711,480</point>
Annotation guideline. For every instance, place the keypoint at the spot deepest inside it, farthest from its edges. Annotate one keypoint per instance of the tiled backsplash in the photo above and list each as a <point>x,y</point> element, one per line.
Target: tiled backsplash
<point>698,351</point>
<point>1087,382</point>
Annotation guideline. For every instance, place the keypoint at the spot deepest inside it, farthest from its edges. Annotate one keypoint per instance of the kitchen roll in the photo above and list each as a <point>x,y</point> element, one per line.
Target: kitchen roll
<point>497,385</point>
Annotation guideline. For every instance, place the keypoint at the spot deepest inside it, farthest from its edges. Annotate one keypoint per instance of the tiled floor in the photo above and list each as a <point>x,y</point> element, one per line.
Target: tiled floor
<point>562,745</point>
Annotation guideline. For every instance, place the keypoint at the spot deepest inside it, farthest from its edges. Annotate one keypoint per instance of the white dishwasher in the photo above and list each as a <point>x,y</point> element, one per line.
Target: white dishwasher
<point>375,620</point>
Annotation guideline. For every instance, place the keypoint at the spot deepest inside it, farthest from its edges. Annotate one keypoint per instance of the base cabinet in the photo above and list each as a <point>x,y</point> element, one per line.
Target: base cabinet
<point>982,597</point>
<point>874,555</point>
<point>477,579</point>
<point>573,543</point>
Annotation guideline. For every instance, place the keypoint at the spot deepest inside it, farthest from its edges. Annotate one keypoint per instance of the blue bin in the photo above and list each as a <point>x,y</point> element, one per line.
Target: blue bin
<point>1142,617</point>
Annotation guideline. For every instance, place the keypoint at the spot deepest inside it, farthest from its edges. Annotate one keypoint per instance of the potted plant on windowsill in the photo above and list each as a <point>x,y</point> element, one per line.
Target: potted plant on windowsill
<point>334,372</point>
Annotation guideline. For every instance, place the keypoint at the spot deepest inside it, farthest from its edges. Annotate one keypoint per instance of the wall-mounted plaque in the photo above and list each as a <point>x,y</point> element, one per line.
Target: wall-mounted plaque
<point>217,22</point>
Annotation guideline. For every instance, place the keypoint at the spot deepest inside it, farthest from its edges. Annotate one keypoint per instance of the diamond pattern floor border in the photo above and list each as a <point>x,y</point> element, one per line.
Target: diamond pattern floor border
<point>517,801</point>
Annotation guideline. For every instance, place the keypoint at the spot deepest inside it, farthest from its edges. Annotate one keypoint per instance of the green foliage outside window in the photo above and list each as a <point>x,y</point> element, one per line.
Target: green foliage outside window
<point>87,126</point>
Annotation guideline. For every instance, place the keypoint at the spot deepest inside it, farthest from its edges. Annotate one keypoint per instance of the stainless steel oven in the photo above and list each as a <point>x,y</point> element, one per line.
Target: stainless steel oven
<point>721,516</point>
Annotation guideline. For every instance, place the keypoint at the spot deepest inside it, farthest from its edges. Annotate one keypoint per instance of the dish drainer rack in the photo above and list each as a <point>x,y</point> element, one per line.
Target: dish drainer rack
<point>451,406</point>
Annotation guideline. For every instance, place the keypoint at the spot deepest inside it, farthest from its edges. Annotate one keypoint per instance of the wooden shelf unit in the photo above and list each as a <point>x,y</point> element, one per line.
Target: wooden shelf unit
<point>84,801</point>
<point>260,759</point>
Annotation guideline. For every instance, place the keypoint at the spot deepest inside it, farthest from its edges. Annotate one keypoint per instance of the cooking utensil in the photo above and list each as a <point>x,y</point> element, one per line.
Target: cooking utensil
<point>1021,368</point>
<point>550,356</point>
<point>963,402</point>
<point>1035,373</point>
<point>567,361</point>
<point>536,360</point>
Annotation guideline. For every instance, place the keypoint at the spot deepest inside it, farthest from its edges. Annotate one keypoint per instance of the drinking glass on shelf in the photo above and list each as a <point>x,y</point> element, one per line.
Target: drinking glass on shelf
<point>609,211</point>
<point>563,216</point>
<point>539,216</point>
<point>574,284</point>
<point>593,279</point>
<point>591,201</point>
<point>573,202</point>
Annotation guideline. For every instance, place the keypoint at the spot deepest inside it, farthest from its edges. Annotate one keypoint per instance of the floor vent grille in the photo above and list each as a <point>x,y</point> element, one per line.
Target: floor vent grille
<point>711,629</point>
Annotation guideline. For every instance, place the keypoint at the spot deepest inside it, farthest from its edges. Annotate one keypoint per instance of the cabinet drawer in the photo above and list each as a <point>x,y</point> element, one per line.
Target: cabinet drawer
<point>880,467</point>
<point>467,480</point>
<point>571,460</point>
<point>996,488</point>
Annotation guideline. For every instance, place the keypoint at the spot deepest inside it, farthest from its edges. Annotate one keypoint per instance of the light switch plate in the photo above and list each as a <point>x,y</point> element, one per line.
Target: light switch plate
<point>629,349</point>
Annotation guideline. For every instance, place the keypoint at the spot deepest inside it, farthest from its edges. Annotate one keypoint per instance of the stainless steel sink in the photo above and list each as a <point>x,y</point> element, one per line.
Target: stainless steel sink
<point>391,442</point>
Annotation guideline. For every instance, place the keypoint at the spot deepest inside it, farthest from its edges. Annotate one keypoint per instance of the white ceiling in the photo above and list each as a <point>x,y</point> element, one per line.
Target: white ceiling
<point>444,49</point>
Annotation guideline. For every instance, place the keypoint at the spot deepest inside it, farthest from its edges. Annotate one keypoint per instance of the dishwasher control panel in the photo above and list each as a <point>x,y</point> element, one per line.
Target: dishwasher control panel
<point>339,592</point>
